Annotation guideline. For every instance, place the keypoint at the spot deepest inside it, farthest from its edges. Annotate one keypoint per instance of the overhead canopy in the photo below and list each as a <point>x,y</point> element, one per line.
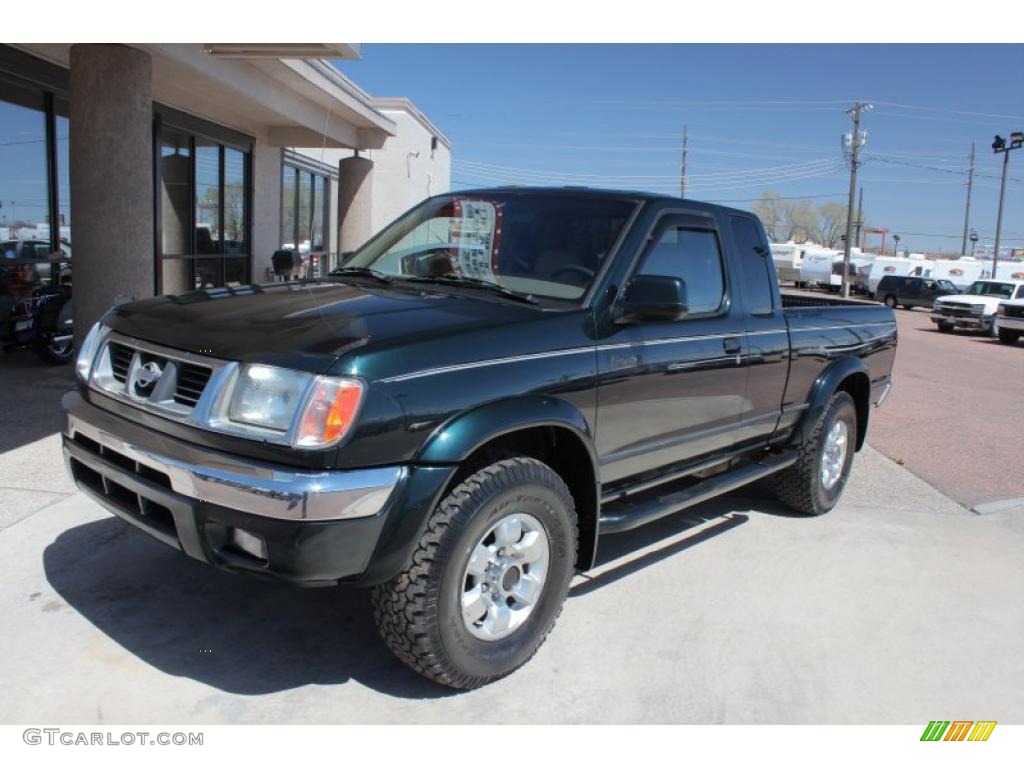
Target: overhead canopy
<point>281,93</point>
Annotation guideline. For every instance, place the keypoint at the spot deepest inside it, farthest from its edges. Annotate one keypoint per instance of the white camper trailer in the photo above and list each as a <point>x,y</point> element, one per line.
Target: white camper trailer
<point>899,266</point>
<point>787,258</point>
<point>961,272</point>
<point>818,267</point>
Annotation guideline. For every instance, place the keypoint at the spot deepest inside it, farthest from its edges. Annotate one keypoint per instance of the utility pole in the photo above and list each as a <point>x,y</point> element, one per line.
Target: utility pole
<point>1000,146</point>
<point>860,216</point>
<point>682,167</point>
<point>967,210</point>
<point>855,142</point>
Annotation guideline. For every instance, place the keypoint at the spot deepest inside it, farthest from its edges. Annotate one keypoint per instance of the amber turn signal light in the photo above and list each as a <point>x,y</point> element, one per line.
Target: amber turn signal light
<point>329,413</point>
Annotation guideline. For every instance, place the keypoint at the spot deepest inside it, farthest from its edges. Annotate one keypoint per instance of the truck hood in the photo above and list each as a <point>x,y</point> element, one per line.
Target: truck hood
<point>306,326</point>
<point>989,302</point>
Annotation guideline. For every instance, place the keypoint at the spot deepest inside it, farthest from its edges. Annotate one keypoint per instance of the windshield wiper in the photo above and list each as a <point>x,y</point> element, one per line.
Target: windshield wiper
<point>464,281</point>
<point>374,274</point>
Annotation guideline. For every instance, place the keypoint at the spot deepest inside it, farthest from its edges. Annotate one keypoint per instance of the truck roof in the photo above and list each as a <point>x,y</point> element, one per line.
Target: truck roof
<point>607,194</point>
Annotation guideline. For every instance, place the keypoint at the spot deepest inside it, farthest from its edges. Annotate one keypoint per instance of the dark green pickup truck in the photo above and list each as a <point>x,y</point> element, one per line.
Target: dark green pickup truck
<point>456,415</point>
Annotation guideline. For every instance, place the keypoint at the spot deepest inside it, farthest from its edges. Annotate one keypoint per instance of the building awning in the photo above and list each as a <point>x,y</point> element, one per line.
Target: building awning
<point>270,91</point>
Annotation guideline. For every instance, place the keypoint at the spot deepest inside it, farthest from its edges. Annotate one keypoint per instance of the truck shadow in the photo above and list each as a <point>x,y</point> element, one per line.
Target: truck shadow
<point>249,637</point>
<point>236,634</point>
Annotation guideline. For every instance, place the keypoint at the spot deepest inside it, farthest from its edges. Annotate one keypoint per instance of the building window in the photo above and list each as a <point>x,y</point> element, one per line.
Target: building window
<point>204,189</point>
<point>305,200</point>
<point>35,211</point>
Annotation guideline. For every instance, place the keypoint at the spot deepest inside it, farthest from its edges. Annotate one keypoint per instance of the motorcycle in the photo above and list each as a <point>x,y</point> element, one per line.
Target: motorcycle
<point>41,321</point>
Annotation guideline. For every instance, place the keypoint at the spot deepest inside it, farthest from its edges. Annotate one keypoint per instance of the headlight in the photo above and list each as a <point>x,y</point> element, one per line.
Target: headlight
<point>1001,310</point>
<point>87,352</point>
<point>267,397</point>
<point>936,305</point>
<point>289,407</point>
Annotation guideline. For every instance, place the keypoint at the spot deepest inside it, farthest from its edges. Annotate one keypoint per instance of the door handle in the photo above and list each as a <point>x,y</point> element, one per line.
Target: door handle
<point>732,345</point>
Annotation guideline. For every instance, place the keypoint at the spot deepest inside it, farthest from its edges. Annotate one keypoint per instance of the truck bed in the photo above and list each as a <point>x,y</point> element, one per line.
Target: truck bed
<point>793,299</point>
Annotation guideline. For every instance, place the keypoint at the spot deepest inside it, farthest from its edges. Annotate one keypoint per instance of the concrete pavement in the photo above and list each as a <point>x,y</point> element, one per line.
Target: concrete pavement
<point>898,607</point>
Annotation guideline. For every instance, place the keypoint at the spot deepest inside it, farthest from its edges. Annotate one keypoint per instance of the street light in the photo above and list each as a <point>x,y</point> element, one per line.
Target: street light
<point>999,145</point>
<point>896,248</point>
<point>974,240</point>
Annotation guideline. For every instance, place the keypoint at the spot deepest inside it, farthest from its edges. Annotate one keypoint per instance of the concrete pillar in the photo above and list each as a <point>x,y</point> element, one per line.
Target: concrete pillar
<point>111,173</point>
<point>355,202</point>
<point>266,207</point>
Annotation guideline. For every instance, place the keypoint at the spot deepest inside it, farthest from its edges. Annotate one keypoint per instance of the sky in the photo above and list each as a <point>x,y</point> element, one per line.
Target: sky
<point>759,118</point>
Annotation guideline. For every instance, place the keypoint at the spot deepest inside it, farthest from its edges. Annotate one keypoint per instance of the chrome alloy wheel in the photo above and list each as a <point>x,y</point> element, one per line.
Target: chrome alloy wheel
<point>505,577</point>
<point>833,455</point>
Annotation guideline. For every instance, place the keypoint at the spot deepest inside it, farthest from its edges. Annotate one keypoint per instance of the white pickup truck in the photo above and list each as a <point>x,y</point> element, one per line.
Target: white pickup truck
<point>1010,320</point>
<point>975,308</point>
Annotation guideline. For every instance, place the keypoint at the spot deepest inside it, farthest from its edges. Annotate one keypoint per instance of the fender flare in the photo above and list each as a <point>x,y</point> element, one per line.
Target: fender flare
<point>826,385</point>
<point>456,439</point>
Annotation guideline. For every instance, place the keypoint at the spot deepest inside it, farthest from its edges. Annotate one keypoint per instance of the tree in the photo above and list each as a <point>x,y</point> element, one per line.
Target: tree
<point>769,210</point>
<point>799,220</point>
<point>830,224</point>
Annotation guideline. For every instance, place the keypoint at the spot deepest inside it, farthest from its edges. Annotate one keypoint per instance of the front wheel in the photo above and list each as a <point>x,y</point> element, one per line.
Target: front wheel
<point>890,302</point>
<point>1008,336</point>
<point>815,482</point>
<point>488,578</point>
<point>945,327</point>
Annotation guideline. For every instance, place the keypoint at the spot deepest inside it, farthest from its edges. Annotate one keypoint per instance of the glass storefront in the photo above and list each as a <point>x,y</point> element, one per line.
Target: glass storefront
<point>203,211</point>
<point>35,213</point>
<point>305,201</point>
<point>202,188</point>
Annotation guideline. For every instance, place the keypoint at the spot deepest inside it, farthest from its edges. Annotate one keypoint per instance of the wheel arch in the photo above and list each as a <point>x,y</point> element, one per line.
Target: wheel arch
<point>546,428</point>
<point>850,375</point>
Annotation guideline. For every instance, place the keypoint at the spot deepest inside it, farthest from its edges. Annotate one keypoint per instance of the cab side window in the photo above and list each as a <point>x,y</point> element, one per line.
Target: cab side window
<point>693,255</point>
<point>758,271</point>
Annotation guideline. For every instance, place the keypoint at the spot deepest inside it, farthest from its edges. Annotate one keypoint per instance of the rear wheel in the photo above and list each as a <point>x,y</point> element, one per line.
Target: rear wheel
<point>1008,336</point>
<point>815,482</point>
<point>488,579</point>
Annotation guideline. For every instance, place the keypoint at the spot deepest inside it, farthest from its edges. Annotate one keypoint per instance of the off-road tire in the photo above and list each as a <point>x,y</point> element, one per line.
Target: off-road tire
<point>799,486</point>
<point>1008,336</point>
<point>418,613</point>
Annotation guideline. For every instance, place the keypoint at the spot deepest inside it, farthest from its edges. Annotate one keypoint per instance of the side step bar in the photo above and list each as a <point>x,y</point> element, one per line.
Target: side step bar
<point>628,514</point>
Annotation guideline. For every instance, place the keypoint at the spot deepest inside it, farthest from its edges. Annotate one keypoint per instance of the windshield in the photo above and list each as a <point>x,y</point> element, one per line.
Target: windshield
<point>547,246</point>
<point>983,288</point>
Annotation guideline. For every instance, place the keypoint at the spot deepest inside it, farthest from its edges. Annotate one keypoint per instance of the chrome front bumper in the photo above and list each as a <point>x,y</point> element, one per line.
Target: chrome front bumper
<point>964,322</point>
<point>1010,323</point>
<point>236,483</point>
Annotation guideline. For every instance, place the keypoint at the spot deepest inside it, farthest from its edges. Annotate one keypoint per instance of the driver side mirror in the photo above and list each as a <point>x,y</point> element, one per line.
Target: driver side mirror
<point>657,298</point>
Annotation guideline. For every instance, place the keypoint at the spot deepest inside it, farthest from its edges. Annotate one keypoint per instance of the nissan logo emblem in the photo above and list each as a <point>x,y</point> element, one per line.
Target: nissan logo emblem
<point>146,376</point>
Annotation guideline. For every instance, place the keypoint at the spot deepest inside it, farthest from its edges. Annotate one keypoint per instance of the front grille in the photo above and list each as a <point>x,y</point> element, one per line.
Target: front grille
<point>192,380</point>
<point>1014,311</point>
<point>120,360</point>
<point>157,378</point>
<point>150,512</point>
<point>956,310</point>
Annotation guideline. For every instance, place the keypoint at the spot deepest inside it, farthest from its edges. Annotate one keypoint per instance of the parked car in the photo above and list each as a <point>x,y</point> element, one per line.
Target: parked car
<point>910,292</point>
<point>1010,320</point>
<point>454,418</point>
<point>975,308</point>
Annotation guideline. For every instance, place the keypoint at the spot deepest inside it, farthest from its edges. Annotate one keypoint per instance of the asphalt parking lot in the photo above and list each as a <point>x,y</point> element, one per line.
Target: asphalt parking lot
<point>955,416</point>
<point>898,605</point>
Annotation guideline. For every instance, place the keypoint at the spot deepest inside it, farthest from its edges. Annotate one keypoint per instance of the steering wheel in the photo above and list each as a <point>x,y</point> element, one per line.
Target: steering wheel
<point>576,268</point>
